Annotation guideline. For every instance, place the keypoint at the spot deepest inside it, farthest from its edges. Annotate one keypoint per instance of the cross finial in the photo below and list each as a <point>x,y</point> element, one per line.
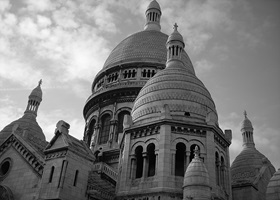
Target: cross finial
<point>245,113</point>
<point>40,82</point>
<point>175,27</point>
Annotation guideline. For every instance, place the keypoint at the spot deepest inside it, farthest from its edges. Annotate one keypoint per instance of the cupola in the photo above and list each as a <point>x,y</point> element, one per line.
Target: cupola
<point>153,14</point>
<point>34,100</point>
<point>247,132</point>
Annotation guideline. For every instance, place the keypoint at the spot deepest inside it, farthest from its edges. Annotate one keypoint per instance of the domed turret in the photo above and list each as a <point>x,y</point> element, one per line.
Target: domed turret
<point>196,180</point>
<point>273,187</point>
<point>178,88</point>
<point>27,123</point>
<point>250,167</point>
<point>153,14</point>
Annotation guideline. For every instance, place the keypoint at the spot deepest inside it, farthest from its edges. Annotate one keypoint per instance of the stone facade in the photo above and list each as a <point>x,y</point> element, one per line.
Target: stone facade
<point>151,133</point>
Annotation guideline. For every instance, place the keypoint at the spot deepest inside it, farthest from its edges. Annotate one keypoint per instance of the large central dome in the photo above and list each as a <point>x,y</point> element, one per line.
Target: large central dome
<point>144,46</point>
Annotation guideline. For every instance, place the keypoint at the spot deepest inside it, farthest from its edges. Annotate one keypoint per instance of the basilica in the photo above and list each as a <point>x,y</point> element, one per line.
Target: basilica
<point>151,133</point>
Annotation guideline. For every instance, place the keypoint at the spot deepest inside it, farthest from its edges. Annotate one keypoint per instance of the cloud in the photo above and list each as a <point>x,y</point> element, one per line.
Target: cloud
<point>203,66</point>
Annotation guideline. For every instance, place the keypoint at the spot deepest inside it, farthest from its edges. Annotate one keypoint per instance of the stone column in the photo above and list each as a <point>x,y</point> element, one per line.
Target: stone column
<point>145,165</point>
<point>173,160</point>
<point>97,131</point>
<point>112,130</point>
<point>187,160</point>
<point>156,167</point>
<point>132,167</point>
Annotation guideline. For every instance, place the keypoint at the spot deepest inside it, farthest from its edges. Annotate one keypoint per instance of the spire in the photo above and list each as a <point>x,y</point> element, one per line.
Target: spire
<point>247,132</point>
<point>175,46</point>
<point>153,14</point>
<point>34,100</point>
<point>196,152</point>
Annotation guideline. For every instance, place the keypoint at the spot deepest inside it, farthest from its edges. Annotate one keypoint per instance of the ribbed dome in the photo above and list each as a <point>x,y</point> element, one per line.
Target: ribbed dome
<point>144,46</point>
<point>196,174</point>
<point>26,123</point>
<point>273,187</point>
<point>182,91</point>
<point>247,164</point>
<point>154,4</point>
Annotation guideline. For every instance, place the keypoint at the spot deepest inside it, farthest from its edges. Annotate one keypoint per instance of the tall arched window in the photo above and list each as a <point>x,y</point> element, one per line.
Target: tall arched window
<point>217,168</point>
<point>222,171</point>
<point>151,159</point>
<point>105,129</point>
<point>120,123</point>
<point>192,151</point>
<point>90,132</point>
<point>139,161</point>
<point>180,159</point>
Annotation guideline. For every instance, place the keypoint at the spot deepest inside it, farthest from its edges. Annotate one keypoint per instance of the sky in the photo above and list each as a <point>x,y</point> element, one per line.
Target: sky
<point>234,47</point>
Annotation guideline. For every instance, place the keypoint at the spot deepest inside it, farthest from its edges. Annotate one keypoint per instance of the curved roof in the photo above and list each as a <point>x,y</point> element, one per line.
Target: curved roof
<point>154,4</point>
<point>28,124</point>
<point>273,187</point>
<point>37,92</point>
<point>144,46</point>
<point>246,166</point>
<point>179,89</point>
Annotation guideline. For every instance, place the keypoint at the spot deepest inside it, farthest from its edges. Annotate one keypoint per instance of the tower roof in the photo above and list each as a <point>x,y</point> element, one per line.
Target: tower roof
<point>37,92</point>
<point>246,123</point>
<point>175,36</point>
<point>153,5</point>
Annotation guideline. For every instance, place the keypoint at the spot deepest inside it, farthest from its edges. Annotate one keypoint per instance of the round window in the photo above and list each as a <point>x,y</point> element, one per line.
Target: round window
<point>5,167</point>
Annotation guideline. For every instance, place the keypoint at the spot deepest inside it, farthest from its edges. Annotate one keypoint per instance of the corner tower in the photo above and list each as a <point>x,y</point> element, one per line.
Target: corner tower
<point>172,114</point>
<point>251,170</point>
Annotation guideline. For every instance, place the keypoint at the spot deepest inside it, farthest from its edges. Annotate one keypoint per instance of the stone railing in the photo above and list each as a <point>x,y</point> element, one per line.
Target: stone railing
<point>102,167</point>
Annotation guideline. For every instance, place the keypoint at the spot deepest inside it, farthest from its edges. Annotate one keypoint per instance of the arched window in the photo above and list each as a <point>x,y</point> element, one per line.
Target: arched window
<point>105,129</point>
<point>192,151</point>
<point>180,159</point>
<point>139,161</point>
<point>222,171</point>
<point>51,174</point>
<point>90,132</point>
<point>217,168</point>
<point>151,159</point>
<point>120,123</point>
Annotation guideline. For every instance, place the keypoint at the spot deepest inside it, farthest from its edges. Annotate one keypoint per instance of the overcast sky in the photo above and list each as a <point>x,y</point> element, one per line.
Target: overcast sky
<point>234,47</point>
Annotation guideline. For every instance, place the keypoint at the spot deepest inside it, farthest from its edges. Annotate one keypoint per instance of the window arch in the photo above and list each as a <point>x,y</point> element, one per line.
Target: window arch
<point>120,123</point>
<point>192,151</point>
<point>151,159</point>
<point>139,161</point>
<point>180,159</point>
<point>217,170</point>
<point>105,129</point>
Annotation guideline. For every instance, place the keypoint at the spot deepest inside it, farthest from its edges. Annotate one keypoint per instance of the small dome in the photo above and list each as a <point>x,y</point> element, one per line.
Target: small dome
<point>154,5</point>
<point>273,187</point>
<point>37,92</point>
<point>246,123</point>
<point>175,36</point>
<point>246,166</point>
<point>196,174</point>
